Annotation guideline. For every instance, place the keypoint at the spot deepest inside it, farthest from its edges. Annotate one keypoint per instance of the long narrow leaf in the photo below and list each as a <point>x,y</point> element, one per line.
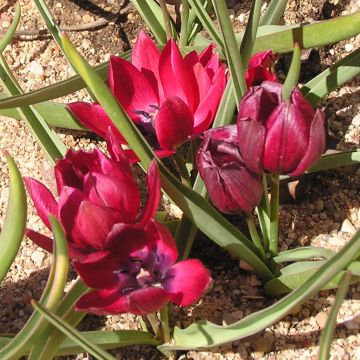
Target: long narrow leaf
<point>13,228</point>
<point>303,253</point>
<point>51,296</point>
<point>274,12</point>
<point>74,334</point>
<point>196,208</point>
<point>5,41</point>
<point>328,333</point>
<point>206,334</point>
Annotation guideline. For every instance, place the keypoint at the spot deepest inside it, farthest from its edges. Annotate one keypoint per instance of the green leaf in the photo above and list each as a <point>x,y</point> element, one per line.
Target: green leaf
<point>333,77</point>
<point>73,334</point>
<point>206,22</point>
<point>292,77</point>
<point>204,334</point>
<point>51,296</point>
<point>327,334</point>
<point>231,49</point>
<point>151,13</point>
<point>50,142</point>
<point>193,205</point>
<point>13,228</point>
<point>6,40</point>
<point>274,12</point>
<point>303,253</point>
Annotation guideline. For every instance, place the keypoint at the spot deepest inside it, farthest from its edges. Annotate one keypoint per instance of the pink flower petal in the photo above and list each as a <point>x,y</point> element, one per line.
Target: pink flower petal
<point>176,77</point>
<point>94,118</point>
<point>154,193</point>
<point>174,123</point>
<point>42,198</point>
<point>131,88</point>
<point>316,147</point>
<point>203,80</point>
<point>187,281</point>
<point>41,240</point>
<point>145,57</point>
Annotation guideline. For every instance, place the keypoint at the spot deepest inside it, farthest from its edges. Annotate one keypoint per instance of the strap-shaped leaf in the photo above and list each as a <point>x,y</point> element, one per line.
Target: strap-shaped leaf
<point>6,40</point>
<point>13,228</point>
<point>21,343</point>
<point>274,12</point>
<point>204,334</point>
<point>303,253</point>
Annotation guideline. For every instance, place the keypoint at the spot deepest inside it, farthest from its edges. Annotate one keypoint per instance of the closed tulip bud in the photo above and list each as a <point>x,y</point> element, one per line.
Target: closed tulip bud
<point>277,136</point>
<point>230,185</point>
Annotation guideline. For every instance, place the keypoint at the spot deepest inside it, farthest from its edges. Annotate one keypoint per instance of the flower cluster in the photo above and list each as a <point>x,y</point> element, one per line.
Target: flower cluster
<point>117,247</point>
<point>271,136</point>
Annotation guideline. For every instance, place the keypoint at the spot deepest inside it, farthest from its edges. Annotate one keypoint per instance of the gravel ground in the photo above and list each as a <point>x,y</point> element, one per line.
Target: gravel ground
<point>326,211</point>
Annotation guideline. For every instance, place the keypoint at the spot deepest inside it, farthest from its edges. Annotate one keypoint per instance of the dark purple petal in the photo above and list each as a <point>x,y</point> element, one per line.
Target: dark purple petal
<point>187,281</point>
<point>297,98</point>
<point>251,135</point>
<point>42,198</point>
<point>286,140</point>
<point>174,123</point>
<point>316,147</point>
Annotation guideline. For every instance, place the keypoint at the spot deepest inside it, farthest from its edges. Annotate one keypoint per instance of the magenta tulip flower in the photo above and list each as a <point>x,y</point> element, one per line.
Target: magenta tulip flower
<point>230,185</point>
<point>169,97</point>
<point>277,136</point>
<point>95,193</point>
<point>260,68</point>
<point>138,273</point>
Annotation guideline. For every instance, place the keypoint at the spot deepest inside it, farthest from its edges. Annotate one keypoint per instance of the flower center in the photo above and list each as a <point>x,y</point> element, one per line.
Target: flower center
<point>146,124</point>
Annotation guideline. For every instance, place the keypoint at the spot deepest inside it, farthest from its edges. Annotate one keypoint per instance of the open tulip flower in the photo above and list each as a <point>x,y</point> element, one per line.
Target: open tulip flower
<point>169,97</point>
<point>95,193</point>
<point>260,68</point>
<point>137,273</point>
<point>277,136</point>
<point>230,185</point>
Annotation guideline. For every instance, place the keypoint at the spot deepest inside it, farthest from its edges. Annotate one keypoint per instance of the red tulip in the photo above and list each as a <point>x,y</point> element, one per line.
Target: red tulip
<point>137,273</point>
<point>277,136</point>
<point>95,193</point>
<point>230,185</point>
<point>260,68</point>
<point>169,97</point>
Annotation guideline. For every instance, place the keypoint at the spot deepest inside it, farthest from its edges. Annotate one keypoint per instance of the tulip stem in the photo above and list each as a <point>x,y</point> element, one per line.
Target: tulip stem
<point>255,236</point>
<point>166,18</point>
<point>181,165</point>
<point>164,320</point>
<point>263,210</point>
<point>184,23</point>
<point>274,214</point>
<point>155,324</point>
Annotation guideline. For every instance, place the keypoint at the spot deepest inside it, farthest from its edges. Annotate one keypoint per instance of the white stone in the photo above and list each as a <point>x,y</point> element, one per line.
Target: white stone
<point>348,47</point>
<point>36,68</point>
<point>347,227</point>
<point>38,257</point>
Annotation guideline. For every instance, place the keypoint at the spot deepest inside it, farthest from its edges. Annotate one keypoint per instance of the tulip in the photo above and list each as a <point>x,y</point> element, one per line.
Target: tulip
<point>95,193</point>
<point>170,98</point>
<point>230,185</point>
<point>137,273</point>
<point>260,68</point>
<point>277,136</point>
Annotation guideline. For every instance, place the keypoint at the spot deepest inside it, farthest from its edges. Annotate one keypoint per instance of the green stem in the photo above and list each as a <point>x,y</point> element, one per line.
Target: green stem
<point>155,324</point>
<point>184,31</point>
<point>166,18</point>
<point>181,165</point>
<point>164,320</point>
<point>263,210</point>
<point>185,236</point>
<point>255,236</point>
<point>274,214</point>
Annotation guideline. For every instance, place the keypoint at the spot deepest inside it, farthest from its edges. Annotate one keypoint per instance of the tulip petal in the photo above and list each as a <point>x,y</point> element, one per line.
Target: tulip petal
<point>98,270</point>
<point>176,77</point>
<point>205,113</point>
<point>94,118</point>
<point>286,139</point>
<point>154,193</point>
<point>137,95</point>
<point>41,240</point>
<point>203,80</point>
<point>117,301</point>
<point>42,198</point>
<point>316,147</point>
<point>297,98</point>
<point>174,123</point>
<point>251,136</point>
<point>145,57</point>
<point>187,281</point>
